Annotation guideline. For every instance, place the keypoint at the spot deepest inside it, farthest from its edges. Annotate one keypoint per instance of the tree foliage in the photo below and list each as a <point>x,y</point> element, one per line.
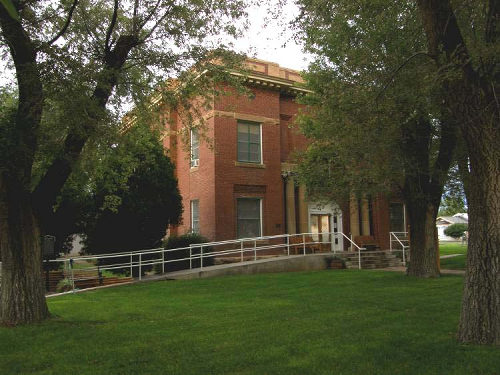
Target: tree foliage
<point>454,200</point>
<point>124,199</point>
<point>452,204</point>
<point>183,243</point>
<point>456,230</point>
<point>76,62</point>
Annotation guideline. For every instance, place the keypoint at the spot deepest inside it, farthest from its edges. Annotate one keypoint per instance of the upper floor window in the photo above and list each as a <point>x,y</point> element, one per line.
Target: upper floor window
<point>249,142</point>
<point>195,148</point>
<point>195,216</point>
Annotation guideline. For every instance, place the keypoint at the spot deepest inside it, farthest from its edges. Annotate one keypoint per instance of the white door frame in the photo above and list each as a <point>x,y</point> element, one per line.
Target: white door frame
<point>331,209</point>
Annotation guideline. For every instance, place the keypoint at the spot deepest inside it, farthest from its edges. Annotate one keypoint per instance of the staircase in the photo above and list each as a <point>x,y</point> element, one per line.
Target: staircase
<point>372,260</point>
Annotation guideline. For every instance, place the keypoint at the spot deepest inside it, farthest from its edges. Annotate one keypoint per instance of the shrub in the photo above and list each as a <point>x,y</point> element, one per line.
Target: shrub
<point>456,230</point>
<point>64,285</point>
<point>185,240</point>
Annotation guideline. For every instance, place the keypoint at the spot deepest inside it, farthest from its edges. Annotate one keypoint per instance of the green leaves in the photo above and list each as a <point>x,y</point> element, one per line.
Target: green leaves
<point>364,92</point>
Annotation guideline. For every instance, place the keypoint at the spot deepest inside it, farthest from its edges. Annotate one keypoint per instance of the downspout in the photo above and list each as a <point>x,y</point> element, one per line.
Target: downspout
<point>284,176</point>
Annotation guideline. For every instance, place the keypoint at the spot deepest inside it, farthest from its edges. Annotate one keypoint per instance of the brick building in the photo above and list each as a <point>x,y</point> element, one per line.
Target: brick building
<point>243,186</point>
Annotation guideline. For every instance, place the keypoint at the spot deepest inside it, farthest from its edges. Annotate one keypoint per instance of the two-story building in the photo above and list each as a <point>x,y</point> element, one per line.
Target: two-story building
<point>243,184</point>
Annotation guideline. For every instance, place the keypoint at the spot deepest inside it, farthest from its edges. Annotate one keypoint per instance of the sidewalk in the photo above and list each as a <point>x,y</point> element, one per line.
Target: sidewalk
<point>443,271</point>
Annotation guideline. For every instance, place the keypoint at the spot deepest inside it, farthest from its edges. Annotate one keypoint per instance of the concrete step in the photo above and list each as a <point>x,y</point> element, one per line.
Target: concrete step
<point>372,260</point>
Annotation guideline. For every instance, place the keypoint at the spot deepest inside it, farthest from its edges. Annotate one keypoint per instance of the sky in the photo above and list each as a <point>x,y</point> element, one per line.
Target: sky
<point>271,39</point>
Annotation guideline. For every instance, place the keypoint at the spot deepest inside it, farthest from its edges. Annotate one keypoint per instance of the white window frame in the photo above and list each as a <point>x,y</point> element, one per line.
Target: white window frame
<point>194,162</point>
<point>260,199</point>
<point>192,203</point>
<point>261,156</point>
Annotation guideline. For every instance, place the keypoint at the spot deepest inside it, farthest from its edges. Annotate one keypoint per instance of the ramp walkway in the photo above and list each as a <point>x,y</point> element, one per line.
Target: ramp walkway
<point>280,253</point>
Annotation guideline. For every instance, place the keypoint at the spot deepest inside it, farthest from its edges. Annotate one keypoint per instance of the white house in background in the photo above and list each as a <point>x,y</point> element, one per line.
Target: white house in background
<point>442,222</point>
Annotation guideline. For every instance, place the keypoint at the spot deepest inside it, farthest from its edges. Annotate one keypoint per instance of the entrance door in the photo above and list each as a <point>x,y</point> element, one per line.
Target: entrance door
<point>325,219</point>
<point>320,227</point>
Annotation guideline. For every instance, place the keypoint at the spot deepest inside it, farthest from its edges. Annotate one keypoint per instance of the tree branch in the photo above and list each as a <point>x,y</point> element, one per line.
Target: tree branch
<point>107,47</point>
<point>167,12</point>
<point>66,24</point>
<point>29,109</point>
<point>148,17</point>
<point>447,145</point>
<point>134,17</point>
<point>395,72</point>
<point>492,20</point>
<point>45,194</point>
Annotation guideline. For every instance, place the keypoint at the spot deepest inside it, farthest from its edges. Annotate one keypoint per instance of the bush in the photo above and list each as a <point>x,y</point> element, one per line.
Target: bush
<point>456,230</point>
<point>64,285</point>
<point>185,240</point>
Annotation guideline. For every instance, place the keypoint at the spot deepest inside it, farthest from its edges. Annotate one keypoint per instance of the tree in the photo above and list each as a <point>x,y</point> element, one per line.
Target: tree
<point>456,230</point>
<point>86,56</point>
<point>133,215</point>
<point>453,200</point>
<point>375,127</point>
<point>451,204</point>
<point>463,40</point>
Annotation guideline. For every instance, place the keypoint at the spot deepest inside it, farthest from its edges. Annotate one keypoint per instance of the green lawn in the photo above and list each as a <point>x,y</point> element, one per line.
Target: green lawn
<point>327,322</point>
<point>455,263</point>
<point>447,248</point>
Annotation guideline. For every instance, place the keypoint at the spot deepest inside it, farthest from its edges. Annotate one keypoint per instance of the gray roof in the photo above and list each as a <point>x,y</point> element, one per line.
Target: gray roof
<point>453,219</point>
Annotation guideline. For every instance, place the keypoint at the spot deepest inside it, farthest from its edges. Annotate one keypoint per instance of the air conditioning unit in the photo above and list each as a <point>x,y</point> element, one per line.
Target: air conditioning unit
<point>195,163</point>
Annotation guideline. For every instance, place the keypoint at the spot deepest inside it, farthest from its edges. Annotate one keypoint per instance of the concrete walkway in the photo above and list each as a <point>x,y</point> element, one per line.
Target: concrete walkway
<point>443,271</point>
<point>450,256</point>
<point>291,263</point>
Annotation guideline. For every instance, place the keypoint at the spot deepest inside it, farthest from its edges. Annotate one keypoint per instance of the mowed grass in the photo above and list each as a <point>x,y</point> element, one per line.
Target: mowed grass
<point>447,248</point>
<point>455,263</point>
<point>327,322</point>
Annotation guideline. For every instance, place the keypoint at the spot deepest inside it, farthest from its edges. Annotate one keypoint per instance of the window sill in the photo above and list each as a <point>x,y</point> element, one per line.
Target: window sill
<point>249,165</point>
<point>193,169</point>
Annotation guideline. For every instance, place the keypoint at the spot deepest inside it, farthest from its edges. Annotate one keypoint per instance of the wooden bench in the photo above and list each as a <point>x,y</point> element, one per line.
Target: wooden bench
<point>311,246</point>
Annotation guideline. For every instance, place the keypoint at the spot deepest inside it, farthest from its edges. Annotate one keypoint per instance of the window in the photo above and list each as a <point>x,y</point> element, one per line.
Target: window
<point>396,217</point>
<point>249,142</point>
<point>249,217</point>
<point>195,148</point>
<point>195,216</point>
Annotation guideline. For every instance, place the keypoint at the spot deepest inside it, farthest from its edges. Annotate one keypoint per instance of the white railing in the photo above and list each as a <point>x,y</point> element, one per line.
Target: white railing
<point>401,239</point>
<point>91,267</point>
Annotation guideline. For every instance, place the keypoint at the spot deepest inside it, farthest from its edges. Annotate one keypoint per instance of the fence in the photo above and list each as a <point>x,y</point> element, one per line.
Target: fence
<point>79,272</point>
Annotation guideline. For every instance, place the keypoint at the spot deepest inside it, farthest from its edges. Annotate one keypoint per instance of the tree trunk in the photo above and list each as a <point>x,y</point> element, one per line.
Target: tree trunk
<point>22,294</point>
<point>480,316</point>
<point>423,250</point>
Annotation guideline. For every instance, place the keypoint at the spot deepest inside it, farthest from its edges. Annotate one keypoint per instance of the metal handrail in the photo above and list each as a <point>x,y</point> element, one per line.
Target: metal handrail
<point>397,239</point>
<point>161,256</point>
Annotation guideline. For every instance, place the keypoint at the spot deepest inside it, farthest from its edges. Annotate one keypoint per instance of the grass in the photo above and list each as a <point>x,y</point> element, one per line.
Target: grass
<point>328,322</point>
<point>447,248</point>
<point>455,263</point>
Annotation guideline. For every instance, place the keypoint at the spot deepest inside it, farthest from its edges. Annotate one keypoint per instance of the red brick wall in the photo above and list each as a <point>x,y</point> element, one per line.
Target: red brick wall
<point>265,103</point>
<point>195,183</point>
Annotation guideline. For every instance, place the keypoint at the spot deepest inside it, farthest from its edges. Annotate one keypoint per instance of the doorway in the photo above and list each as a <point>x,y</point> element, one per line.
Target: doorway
<point>320,227</point>
<point>324,222</point>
